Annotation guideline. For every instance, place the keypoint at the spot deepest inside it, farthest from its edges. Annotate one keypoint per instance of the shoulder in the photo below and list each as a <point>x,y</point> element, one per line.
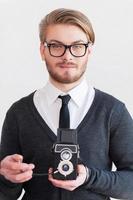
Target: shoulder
<point>107,98</point>
<point>112,109</point>
<point>21,104</point>
<point>108,102</point>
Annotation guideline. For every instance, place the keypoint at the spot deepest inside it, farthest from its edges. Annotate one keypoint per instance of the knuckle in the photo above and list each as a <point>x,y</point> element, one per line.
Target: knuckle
<point>7,157</point>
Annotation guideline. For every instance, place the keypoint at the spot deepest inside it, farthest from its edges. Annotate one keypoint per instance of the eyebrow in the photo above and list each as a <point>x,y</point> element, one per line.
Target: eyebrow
<point>75,42</point>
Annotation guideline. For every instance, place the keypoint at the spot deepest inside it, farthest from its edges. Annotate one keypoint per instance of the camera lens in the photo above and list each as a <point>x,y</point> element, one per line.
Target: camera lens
<point>65,167</point>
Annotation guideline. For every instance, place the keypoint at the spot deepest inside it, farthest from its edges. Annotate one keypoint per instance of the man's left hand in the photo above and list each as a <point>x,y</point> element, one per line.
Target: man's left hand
<point>70,184</point>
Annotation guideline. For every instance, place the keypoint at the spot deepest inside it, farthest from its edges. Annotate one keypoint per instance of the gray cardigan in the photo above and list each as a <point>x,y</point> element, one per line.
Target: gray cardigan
<point>105,136</point>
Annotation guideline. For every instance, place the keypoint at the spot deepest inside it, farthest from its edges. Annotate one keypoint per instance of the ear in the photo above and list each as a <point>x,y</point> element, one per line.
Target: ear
<point>42,51</point>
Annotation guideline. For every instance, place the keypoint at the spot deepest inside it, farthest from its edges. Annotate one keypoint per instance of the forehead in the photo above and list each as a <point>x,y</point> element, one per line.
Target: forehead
<point>65,33</point>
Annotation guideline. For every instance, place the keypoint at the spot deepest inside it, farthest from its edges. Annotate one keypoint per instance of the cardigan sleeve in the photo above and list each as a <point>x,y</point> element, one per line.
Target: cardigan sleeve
<point>9,145</point>
<point>117,184</point>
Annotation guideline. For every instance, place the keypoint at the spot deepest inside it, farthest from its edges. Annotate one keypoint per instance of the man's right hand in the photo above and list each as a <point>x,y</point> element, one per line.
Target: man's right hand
<point>14,170</point>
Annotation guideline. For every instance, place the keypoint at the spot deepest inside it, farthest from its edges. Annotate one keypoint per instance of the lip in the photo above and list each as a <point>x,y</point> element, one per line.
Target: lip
<point>67,66</point>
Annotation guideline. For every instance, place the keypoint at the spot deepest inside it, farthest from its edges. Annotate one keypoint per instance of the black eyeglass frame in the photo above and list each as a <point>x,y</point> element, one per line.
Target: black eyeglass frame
<point>67,47</point>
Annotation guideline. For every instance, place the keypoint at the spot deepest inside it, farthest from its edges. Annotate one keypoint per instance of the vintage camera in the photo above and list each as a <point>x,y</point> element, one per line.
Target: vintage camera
<point>66,155</point>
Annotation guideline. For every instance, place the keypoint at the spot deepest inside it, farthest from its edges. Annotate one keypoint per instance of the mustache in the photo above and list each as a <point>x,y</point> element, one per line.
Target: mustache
<point>67,63</point>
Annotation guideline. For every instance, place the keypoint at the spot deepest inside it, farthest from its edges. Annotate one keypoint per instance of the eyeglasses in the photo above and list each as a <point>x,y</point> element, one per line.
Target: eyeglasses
<point>59,49</point>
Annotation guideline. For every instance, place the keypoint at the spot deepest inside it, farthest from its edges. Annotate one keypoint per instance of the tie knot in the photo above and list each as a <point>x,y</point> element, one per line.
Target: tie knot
<point>65,99</point>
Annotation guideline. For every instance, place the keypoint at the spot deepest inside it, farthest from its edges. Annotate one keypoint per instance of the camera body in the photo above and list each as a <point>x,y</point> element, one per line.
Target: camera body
<point>66,155</point>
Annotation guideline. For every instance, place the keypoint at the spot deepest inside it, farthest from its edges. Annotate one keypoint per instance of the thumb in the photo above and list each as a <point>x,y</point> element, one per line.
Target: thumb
<point>81,169</point>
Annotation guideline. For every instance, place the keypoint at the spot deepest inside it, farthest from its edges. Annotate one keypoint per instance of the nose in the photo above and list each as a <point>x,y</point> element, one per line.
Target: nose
<point>67,55</point>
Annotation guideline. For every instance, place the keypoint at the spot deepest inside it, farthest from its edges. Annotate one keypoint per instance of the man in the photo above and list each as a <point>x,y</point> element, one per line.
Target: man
<point>104,126</point>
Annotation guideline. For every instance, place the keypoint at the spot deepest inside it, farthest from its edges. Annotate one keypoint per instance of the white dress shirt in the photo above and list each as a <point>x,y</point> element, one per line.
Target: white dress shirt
<point>48,104</point>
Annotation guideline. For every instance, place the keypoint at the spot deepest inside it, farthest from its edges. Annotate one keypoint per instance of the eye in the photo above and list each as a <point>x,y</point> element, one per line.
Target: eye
<point>77,46</point>
<point>56,46</point>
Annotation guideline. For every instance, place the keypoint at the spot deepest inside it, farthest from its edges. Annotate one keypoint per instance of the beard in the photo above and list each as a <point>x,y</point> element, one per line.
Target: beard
<point>66,77</point>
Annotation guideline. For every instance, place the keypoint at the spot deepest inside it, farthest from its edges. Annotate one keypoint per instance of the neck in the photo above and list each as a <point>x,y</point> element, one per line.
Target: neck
<point>65,87</point>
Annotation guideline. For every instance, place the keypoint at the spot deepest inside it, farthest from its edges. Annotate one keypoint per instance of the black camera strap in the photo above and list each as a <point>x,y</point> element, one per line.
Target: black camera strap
<point>44,174</point>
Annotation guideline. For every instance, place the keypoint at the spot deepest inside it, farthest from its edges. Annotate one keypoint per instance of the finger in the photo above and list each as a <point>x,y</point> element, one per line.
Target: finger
<point>59,183</point>
<point>81,169</point>
<point>16,170</point>
<point>65,185</point>
<point>71,184</point>
<point>24,167</point>
<point>16,157</point>
<point>16,166</point>
<point>6,172</point>
<point>81,175</point>
<point>50,171</point>
<point>62,183</point>
<point>21,177</point>
<point>9,161</point>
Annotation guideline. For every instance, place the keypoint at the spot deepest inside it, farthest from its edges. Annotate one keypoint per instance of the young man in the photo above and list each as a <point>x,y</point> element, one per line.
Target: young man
<point>104,126</point>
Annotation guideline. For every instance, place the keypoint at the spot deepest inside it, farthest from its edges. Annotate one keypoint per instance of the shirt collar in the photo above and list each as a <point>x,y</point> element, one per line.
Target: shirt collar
<point>52,93</point>
<point>78,93</point>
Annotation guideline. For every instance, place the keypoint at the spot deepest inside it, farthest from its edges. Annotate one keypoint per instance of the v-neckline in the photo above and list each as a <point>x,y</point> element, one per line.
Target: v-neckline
<point>45,126</point>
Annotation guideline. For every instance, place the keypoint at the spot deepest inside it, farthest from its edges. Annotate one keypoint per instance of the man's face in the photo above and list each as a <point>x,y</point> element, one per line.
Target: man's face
<point>67,68</point>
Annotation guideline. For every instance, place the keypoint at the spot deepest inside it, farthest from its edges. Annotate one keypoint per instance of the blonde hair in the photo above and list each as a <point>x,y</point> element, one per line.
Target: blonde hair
<point>66,16</point>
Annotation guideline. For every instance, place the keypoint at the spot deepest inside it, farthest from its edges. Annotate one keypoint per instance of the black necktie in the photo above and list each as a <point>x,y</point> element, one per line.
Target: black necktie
<point>64,120</point>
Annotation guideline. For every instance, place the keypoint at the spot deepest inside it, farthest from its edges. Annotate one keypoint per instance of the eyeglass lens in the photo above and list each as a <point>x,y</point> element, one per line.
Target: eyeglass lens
<point>58,50</point>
